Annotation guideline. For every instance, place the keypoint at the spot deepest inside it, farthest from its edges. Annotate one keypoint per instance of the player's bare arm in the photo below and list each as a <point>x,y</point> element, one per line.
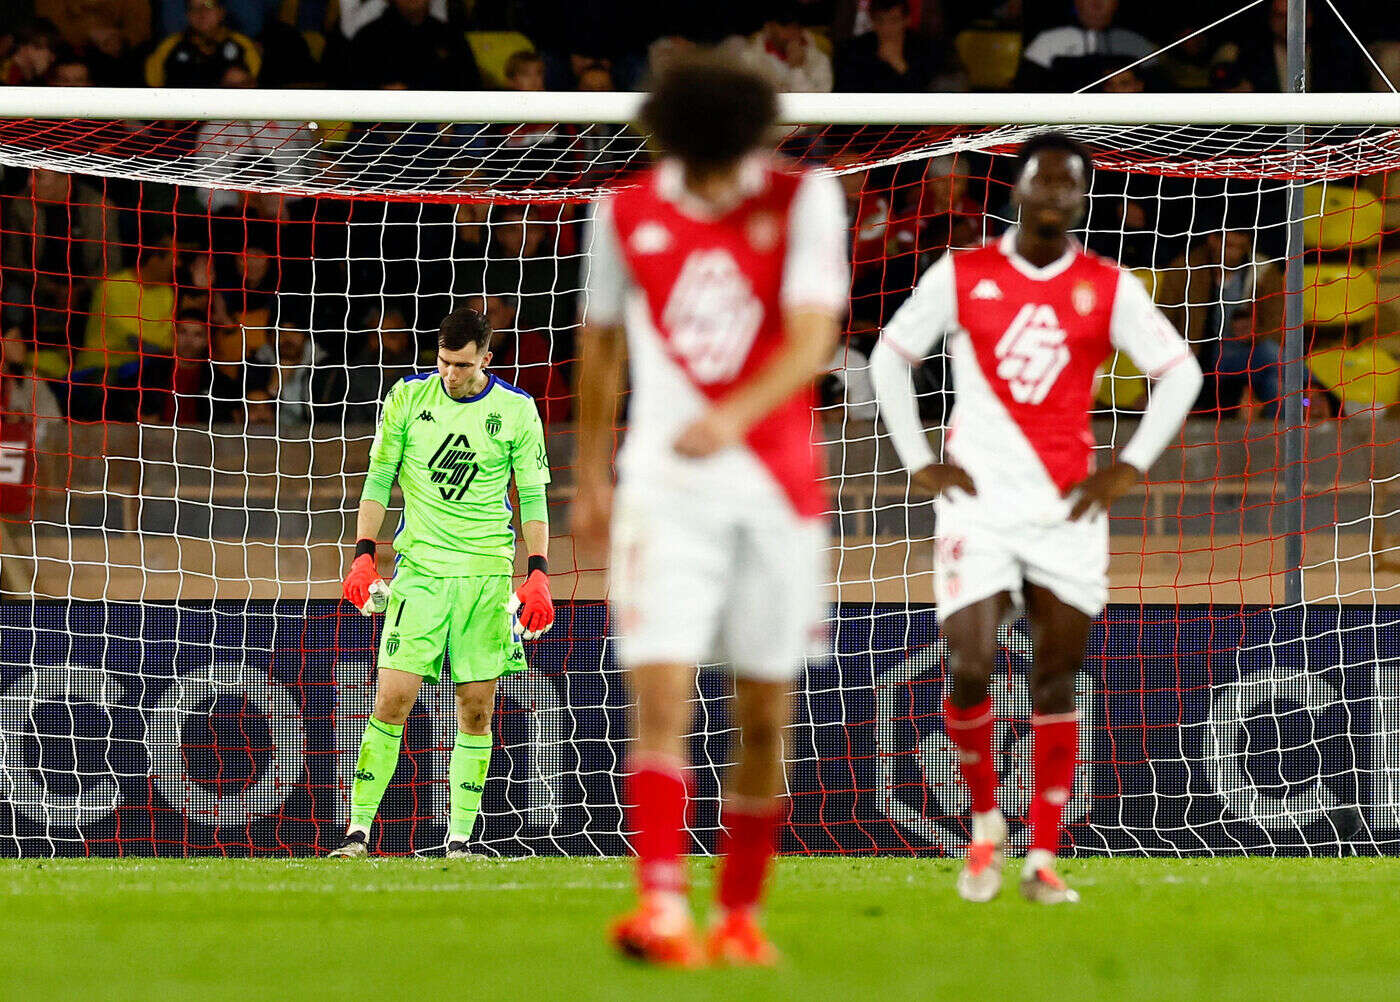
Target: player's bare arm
<point>811,337</point>
<point>602,356</point>
<point>1100,489</point>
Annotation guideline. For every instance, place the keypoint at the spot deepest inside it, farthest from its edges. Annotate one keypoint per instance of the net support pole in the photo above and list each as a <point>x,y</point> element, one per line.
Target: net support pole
<point>1294,424</point>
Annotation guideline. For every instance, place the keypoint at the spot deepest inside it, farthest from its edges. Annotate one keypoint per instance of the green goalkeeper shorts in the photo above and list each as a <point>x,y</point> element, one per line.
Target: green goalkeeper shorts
<point>464,619</point>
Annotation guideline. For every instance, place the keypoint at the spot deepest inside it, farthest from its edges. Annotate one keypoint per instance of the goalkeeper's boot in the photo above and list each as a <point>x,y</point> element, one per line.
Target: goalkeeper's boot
<point>736,940</point>
<point>458,850</point>
<point>1041,884</point>
<point>980,879</point>
<point>355,846</point>
<point>659,932</point>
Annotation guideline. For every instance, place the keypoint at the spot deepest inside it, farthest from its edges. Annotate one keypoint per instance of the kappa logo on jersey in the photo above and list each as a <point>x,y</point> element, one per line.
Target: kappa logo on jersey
<point>650,238</point>
<point>453,468</point>
<point>986,289</point>
<point>426,416</point>
<point>1032,353</point>
<point>712,315</point>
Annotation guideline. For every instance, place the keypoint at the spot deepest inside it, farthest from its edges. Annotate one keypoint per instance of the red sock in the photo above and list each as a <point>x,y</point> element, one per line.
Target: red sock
<point>1056,748</point>
<point>747,842</point>
<point>656,789</point>
<point>970,730</point>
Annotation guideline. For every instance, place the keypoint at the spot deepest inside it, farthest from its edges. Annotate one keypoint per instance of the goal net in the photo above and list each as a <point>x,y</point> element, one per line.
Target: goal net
<point>202,310</point>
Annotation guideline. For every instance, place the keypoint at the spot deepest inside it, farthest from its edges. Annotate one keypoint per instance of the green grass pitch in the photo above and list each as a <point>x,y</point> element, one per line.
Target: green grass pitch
<point>852,929</point>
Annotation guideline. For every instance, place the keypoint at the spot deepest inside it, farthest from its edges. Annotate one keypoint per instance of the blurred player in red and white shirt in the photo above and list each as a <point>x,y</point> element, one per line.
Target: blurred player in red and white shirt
<point>1021,513</point>
<point>722,275</point>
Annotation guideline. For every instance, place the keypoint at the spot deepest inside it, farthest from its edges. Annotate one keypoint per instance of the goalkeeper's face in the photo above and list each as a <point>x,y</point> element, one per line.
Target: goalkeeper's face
<point>463,371</point>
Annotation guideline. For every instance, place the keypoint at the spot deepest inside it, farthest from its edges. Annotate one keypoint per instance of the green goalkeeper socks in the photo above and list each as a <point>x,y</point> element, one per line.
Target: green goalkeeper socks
<point>379,757</point>
<point>471,757</point>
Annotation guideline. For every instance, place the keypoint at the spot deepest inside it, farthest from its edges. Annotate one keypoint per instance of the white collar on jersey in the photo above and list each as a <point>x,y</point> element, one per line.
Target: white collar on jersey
<point>670,185</point>
<point>1007,243</point>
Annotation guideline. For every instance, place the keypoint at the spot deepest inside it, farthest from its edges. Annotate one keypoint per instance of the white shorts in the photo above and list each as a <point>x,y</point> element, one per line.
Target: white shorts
<point>976,559</point>
<point>691,583</point>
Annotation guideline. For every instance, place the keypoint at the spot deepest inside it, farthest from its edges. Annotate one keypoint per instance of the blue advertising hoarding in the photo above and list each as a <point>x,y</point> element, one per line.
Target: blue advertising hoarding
<point>231,730</point>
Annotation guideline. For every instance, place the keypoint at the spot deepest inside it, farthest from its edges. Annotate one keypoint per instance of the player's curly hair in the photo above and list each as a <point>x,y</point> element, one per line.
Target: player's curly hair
<point>466,326</point>
<point>1054,141</point>
<point>708,111</point>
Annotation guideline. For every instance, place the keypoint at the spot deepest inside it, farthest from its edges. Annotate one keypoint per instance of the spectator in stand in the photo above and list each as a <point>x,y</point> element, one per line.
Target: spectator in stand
<point>868,213</point>
<point>55,242</point>
<point>524,70</point>
<point>201,54</point>
<point>595,78</point>
<point>786,52</point>
<point>236,391</point>
<point>174,390</point>
<point>388,354</point>
<point>272,149</point>
<point>70,70</point>
<point>408,45</point>
<point>521,263</point>
<point>471,236</point>
<point>132,314</point>
<point>35,47</point>
<point>1068,57</point>
<point>942,213</point>
<point>248,16</point>
<point>889,57</point>
<point>107,32</point>
<point>1265,66</point>
<point>355,14</point>
<point>1228,302</point>
<point>294,382</point>
<point>248,281</point>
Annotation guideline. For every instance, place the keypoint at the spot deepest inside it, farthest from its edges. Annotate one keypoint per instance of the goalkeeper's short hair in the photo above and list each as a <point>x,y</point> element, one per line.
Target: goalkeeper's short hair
<point>464,326</point>
<point>708,110</point>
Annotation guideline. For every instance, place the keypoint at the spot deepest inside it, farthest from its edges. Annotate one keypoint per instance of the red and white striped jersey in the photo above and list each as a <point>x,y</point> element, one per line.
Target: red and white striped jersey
<point>1025,344</point>
<point>702,296</point>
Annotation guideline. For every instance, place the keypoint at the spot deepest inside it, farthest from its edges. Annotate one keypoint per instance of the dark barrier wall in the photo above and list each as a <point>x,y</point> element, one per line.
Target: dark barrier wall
<point>173,730</point>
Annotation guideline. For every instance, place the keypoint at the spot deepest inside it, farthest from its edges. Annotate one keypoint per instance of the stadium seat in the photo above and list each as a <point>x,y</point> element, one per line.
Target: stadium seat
<point>1338,294</point>
<point>991,57</point>
<point>491,49</point>
<point>1120,384</point>
<point>1363,376</point>
<point>1336,217</point>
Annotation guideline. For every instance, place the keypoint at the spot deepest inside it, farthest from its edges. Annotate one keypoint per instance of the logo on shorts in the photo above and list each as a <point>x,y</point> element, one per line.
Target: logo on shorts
<point>391,646</point>
<point>516,654</point>
<point>493,425</point>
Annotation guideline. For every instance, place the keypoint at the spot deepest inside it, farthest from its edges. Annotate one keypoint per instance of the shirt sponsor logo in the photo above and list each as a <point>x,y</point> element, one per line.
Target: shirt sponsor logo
<point>1032,353</point>
<point>453,467</point>
<point>712,316</point>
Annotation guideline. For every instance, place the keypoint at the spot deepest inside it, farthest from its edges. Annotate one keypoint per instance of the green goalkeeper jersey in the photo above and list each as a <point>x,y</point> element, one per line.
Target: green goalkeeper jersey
<point>453,460</point>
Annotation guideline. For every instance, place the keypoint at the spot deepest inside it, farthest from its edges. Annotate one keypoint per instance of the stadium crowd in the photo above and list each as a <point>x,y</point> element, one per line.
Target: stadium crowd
<point>126,301</point>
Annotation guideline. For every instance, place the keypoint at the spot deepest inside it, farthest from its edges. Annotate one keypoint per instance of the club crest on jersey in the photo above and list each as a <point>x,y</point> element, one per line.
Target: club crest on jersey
<point>1083,298</point>
<point>650,238</point>
<point>1032,353</point>
<point>493,425</point>
<point>763,230</point>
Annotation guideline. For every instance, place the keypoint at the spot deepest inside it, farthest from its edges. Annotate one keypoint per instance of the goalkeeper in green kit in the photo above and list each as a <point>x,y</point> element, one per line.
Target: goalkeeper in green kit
<point>452,438</point>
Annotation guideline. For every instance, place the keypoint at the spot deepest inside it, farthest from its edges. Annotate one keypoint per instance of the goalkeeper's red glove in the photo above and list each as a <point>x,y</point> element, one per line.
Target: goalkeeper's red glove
<point>362,581</point>
<point>536,608</point>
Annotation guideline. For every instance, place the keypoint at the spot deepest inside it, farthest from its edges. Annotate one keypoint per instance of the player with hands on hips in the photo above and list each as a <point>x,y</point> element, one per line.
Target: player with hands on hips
<point>1022,517</point>
<point>453,439</point>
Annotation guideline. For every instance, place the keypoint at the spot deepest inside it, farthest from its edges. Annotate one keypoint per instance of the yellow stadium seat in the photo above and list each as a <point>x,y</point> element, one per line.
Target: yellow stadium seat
<point>1336,217</point>
<point>1151,281</point>
<point>1338,294</point>
<point>1120,384</point>
<point>991,57</point>
<point>1365,376</point>
<point>491,49</point>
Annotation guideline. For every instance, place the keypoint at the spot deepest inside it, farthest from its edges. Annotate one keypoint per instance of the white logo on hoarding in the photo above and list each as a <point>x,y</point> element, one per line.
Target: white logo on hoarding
<point>1032,353</point>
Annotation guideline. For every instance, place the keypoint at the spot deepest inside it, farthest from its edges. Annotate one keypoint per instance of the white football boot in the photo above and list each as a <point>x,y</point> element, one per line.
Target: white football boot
<point>980,879</point>
<point>1041,884</point>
